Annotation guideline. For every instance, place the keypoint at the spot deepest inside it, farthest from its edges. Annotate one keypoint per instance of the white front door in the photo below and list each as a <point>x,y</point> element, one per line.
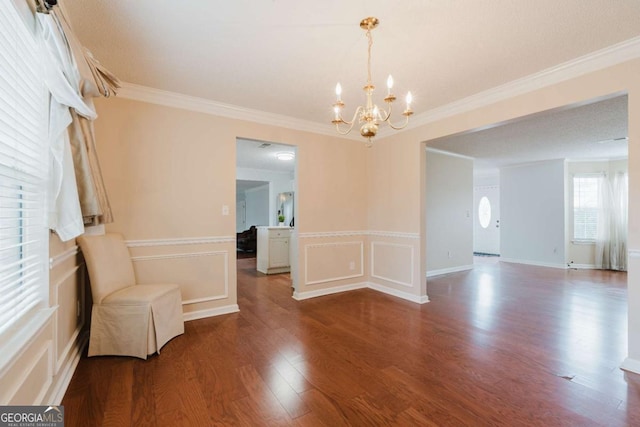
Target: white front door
<point>486,224</point>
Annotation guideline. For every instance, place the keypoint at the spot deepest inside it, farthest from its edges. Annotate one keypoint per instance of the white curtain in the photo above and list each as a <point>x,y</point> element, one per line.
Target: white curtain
<point>76,192</point>
<point>611,232</point>
<point>64,212</point>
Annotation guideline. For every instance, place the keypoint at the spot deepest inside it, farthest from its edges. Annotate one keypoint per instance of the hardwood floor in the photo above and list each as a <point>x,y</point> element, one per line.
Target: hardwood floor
<point>504,344</point>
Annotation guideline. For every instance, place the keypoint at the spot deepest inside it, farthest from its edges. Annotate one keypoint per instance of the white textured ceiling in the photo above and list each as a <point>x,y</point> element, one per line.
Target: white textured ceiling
<point>262,155</point>
<point>285,56</point>
<point>594,131</point>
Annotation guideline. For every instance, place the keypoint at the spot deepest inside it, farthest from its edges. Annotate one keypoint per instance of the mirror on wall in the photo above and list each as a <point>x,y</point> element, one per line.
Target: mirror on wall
<point>285,209</point>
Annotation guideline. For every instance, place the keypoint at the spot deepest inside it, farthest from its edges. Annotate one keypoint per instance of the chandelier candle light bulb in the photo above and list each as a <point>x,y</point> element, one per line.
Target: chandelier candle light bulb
<point>370,115</point>
<point>409,100</point>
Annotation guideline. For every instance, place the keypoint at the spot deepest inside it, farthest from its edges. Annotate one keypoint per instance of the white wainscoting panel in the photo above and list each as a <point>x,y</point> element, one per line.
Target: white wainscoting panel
<point>35,378</point>
<point>68,323</point>
<point>392,262</point>
<point>327,254</point>
<point>181,265</point>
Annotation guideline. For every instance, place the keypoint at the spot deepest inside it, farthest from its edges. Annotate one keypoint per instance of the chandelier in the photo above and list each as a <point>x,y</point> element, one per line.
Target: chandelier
<point>370,115</point>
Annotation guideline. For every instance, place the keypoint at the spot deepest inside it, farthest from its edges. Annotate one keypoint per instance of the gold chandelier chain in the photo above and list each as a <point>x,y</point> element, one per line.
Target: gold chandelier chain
<point>369,57</point>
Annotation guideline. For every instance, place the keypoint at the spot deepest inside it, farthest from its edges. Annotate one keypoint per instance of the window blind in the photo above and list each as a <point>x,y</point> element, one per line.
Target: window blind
<point>23,172</point>
<point>585,206</point>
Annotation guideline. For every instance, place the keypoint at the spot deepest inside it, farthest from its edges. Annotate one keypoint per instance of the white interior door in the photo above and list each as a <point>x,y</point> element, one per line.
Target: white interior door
<point>486,225</point>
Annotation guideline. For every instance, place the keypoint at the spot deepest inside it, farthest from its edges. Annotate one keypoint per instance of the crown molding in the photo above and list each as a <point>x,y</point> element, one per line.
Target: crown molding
<point>206,106</point>
<point>607,57</point>
<point>595,61</point>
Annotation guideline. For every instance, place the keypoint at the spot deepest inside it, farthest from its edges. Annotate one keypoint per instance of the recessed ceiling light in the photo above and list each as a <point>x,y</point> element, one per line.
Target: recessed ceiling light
<point>285,155</point>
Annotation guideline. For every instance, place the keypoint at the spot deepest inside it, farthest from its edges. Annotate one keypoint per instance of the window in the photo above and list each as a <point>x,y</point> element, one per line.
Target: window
<point>484,212</point>
<point>585,206</point>
<point>23,169</point>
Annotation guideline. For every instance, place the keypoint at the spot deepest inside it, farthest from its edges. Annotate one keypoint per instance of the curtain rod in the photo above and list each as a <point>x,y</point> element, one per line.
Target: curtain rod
<point>43,6</point>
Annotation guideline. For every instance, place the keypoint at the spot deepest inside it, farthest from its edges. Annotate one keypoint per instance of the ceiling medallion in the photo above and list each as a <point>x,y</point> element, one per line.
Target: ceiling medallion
<point>369,115</point>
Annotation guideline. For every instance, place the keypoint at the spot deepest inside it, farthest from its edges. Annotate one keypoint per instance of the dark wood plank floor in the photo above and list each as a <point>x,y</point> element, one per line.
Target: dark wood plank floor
<point>504,344</point>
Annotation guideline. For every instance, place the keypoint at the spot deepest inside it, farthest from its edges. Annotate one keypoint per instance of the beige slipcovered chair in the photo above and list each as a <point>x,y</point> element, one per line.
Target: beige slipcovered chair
<point>127,319</point>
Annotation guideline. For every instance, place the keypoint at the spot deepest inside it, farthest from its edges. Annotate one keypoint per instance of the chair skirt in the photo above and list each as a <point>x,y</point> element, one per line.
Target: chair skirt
<point>136,321</point>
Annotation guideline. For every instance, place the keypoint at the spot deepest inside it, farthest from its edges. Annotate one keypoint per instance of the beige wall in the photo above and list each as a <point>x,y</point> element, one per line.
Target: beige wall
<point>532,213</point>
<point>400,154</point>
<point>43,368</point>
<point>170,171</point>
<point>396,214</point>
<point>449,204</point>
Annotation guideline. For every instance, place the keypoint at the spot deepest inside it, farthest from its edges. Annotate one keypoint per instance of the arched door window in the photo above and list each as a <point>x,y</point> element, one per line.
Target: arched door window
<point>484,212</point>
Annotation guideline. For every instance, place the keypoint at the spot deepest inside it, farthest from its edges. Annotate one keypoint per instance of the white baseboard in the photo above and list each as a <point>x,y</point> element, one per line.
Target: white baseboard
<point>210,312</point>
<point>363,285</point>
<point>535,263</point>
<point>631,365</point>
<point>327,291</point>
<point>449,270</point>
<point>400,294</point>
<point>582,266</point>
<point>59,387</point>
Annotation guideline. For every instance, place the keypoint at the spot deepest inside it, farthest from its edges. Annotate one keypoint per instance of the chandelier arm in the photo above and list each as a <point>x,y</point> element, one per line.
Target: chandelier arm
<point>350,123</point>
<point>406,122</point>
<point>387,114</point>
<point>345,132</point>
<point>353,119</point>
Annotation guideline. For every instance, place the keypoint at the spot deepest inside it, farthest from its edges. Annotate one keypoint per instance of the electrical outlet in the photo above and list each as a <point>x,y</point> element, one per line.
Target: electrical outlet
<point>225,210</point>
<point>352,265</point>
<point>448,254</point>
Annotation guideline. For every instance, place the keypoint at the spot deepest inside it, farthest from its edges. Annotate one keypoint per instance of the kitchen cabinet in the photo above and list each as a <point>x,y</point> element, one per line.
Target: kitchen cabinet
<point>273,250</point>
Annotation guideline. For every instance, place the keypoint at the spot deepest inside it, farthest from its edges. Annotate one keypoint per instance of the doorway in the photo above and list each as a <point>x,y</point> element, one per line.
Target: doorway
<point>486,224</point>
<point>266,193</point>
